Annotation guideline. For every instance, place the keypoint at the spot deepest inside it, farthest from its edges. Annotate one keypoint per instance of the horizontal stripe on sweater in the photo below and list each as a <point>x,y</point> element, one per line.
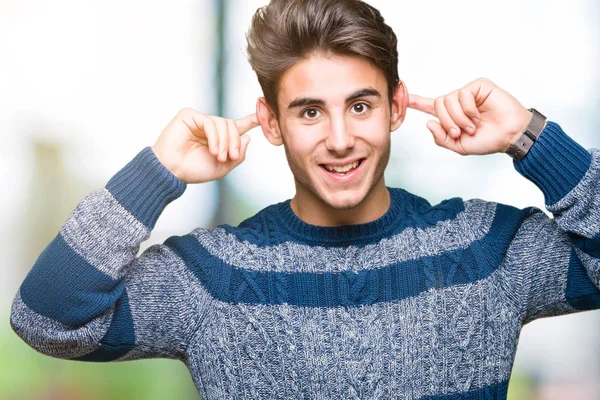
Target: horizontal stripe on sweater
<point>399,280</point>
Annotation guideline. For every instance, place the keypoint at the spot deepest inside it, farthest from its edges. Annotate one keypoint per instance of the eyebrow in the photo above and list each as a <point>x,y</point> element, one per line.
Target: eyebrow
<point>305,101</point>
<point>310,101</point>
<point>367,92</point>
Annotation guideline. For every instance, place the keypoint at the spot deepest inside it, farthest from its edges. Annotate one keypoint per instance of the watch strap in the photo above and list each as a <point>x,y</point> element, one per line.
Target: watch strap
<point>521,147</point>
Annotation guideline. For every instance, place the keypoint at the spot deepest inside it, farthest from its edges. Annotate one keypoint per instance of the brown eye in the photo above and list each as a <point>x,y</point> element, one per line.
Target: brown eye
<point>311,113</point>
<point>360,108</point>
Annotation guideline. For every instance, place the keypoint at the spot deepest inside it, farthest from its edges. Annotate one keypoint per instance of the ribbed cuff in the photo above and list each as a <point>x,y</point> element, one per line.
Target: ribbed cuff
<point>555,163</point>
<point>145,187</point>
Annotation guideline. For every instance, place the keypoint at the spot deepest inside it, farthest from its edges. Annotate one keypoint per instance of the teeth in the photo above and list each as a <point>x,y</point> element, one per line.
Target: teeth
<point>341,168</point>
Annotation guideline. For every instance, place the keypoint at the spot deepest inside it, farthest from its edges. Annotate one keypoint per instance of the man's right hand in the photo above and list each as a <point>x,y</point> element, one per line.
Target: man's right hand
<point>199,148</point>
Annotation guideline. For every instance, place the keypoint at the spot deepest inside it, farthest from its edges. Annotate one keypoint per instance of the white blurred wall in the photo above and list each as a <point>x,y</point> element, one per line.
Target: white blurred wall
<point>99,81</point>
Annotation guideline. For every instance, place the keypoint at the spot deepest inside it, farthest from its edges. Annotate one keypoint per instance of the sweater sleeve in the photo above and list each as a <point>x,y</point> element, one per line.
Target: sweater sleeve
<point>88,297</point>
<point>557,259</point>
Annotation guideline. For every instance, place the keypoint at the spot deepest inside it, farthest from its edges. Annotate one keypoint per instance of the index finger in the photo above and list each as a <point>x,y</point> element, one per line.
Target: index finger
<point>245,124</point>
<point>424,104</point>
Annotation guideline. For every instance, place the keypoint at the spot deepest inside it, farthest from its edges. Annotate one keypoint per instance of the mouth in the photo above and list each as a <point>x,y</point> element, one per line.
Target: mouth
<point>342,169</point>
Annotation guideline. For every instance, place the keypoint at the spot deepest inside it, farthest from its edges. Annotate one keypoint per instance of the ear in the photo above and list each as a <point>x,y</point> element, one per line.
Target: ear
<point>268,122</point>
<point>399,105</point>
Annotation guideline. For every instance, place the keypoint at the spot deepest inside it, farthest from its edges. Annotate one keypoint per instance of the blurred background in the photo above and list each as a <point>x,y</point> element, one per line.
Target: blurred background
<point>85,85</point>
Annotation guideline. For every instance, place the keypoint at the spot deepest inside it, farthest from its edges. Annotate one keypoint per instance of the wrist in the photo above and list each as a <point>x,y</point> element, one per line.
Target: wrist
<point>145,187</point>
<point>166,162</point>
<point>522,141</point>
<point>556,164</point>
<point>524,120</point>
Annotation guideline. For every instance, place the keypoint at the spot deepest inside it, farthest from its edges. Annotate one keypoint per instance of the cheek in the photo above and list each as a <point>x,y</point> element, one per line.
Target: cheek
<point>376,131</point>
<point>301,140</point>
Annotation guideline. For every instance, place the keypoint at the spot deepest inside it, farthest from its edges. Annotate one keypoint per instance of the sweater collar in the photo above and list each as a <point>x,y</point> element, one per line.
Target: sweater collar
<point>342,235</point>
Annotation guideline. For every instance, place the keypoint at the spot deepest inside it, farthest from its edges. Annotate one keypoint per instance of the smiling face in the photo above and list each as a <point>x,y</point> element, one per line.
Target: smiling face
<point>335,121</point>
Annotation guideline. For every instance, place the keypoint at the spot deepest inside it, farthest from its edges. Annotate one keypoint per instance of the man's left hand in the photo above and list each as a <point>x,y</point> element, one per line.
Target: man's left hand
<point>479,118</point>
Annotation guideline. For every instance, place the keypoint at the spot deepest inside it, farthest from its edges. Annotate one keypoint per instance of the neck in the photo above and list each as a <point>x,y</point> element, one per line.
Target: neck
<point>314,211</point>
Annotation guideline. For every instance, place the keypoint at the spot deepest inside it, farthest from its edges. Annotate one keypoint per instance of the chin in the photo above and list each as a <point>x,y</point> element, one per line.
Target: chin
<point>345,200</point>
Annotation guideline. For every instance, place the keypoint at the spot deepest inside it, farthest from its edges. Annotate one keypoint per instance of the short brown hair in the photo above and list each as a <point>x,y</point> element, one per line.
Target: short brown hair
<point>286,31</point>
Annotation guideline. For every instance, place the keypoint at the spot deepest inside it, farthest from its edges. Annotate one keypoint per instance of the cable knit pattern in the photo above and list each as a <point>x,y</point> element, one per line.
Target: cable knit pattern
<point>427,302</point>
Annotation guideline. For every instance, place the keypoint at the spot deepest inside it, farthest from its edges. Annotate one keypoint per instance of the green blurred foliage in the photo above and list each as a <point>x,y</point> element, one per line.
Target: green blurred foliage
<point>521,387</point>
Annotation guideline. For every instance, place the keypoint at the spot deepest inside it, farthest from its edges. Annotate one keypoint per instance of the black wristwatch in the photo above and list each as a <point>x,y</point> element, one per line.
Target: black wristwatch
<point>521,147</point>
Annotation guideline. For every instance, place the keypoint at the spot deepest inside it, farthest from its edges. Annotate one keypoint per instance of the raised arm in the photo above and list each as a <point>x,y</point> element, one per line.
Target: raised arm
<point>553,263</point>
<point>88,297</point>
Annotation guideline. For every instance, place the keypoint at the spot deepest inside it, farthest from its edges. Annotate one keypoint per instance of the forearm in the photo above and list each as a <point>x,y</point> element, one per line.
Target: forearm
<point>78,282</point>
<point>562,267</point>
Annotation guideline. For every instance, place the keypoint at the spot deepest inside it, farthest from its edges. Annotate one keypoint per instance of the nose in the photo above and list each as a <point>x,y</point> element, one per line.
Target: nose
<point>339,138</point>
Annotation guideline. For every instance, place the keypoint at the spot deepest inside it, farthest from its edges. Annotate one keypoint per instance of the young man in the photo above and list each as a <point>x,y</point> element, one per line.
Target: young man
<point>350,289</point>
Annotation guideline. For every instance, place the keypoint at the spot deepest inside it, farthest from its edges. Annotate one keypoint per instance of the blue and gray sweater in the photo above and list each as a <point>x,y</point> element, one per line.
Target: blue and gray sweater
<point>425,302</point>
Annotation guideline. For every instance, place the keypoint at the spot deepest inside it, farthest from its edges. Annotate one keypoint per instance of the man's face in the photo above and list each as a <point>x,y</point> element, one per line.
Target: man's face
<point>334,122</point>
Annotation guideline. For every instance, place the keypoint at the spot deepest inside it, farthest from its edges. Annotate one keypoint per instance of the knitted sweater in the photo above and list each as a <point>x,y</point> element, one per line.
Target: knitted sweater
<point>425,302</point>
